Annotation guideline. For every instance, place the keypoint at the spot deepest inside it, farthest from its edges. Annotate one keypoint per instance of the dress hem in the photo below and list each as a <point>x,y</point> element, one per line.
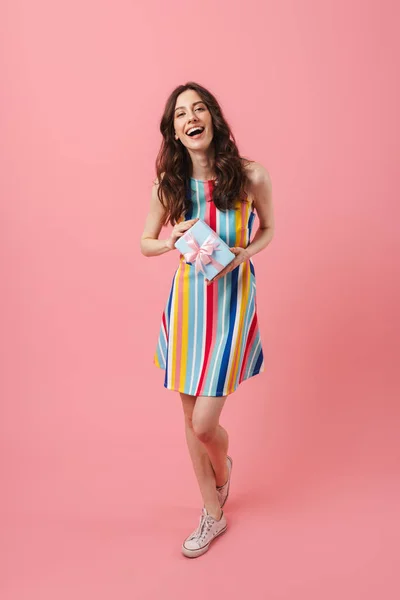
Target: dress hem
<point>262,370</point>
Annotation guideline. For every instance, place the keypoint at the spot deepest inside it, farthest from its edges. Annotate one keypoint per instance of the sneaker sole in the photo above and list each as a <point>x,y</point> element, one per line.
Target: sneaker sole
<point>200,551</point>
<point>229,481</point>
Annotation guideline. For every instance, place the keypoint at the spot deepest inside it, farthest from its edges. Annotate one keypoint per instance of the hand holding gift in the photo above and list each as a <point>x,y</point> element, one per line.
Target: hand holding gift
<point>178,230</point>
<point>241,255</point>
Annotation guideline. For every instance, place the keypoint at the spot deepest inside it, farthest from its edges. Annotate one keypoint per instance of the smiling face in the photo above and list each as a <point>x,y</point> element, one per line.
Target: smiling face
<point>190,113</point>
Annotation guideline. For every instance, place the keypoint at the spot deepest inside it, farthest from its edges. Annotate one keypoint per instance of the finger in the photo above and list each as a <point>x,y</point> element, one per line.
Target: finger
<point>224,272</point>
<point>191,222</point>
<point>220,274</point>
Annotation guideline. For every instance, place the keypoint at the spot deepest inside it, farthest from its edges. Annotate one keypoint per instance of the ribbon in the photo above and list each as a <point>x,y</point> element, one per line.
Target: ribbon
<point>202,255</point>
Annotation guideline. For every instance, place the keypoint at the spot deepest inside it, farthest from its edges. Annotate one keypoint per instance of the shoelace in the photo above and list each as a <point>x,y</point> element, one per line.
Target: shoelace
<point>204,527</point>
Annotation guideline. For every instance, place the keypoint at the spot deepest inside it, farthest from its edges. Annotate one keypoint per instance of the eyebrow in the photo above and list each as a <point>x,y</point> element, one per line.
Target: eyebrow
<point>194,104</point>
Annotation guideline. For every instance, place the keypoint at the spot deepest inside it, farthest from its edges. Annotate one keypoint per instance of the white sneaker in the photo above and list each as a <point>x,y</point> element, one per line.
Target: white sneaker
<point>223,490</point>
<point>199,541</point>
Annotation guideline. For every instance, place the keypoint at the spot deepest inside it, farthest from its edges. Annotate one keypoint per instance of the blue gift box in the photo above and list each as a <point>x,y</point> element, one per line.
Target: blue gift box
<point>202,247</point>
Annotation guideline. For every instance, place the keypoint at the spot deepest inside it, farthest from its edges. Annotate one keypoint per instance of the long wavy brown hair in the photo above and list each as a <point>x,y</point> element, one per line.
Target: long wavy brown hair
<point>174,165</point>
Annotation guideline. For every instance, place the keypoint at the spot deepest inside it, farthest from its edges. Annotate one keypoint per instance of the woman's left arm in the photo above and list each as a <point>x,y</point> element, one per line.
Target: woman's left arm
<point>261,188</point>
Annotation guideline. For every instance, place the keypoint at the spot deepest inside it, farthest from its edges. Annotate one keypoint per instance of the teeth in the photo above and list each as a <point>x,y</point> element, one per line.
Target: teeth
<point>194,129</point>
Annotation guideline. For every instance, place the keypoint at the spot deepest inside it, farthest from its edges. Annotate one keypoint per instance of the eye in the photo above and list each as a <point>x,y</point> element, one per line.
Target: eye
<point>200,108</point>
<point>180,114</point>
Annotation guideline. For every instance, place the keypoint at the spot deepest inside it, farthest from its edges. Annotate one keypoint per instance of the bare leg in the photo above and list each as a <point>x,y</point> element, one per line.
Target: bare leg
<point>206,413</point>
<point>213,436</point>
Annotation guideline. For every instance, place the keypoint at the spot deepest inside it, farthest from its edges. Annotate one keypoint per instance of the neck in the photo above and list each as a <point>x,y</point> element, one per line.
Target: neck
<point>202,165</point>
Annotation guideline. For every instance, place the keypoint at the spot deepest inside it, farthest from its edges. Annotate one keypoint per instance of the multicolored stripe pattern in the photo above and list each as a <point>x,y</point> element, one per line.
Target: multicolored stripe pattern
<point>209,339</point>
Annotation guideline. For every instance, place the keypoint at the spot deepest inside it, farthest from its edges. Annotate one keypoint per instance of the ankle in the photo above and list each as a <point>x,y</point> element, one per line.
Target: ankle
<point>214,511</point>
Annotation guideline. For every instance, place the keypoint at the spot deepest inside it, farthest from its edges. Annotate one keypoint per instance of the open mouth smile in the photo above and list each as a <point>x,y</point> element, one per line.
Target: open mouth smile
<point>195,132</point>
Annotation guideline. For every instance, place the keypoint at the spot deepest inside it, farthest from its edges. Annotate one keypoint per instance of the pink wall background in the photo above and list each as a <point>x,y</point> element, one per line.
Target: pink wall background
<point>98,489</point>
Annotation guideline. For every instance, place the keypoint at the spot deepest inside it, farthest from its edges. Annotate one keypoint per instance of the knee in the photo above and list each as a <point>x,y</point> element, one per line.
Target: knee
<point>203,431</point>
<point>189,421</point>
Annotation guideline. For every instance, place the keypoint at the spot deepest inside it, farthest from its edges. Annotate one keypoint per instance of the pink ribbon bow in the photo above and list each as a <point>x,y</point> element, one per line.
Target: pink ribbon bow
<point>202,254</point>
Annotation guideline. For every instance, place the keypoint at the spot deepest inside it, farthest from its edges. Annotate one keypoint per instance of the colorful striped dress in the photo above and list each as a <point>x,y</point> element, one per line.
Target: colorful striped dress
<point>209,339</point>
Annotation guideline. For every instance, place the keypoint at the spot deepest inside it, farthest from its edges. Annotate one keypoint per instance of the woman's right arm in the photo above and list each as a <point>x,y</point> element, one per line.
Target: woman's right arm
<point>150,245</point>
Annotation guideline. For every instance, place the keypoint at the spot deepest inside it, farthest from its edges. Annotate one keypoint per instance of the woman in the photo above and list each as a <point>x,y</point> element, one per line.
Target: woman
<point>209,340</point>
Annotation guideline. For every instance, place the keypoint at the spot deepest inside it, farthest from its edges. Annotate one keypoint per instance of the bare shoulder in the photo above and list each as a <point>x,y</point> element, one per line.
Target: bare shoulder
<point>257,175</point>
<point>260,192</point>
<point>157,180</point>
